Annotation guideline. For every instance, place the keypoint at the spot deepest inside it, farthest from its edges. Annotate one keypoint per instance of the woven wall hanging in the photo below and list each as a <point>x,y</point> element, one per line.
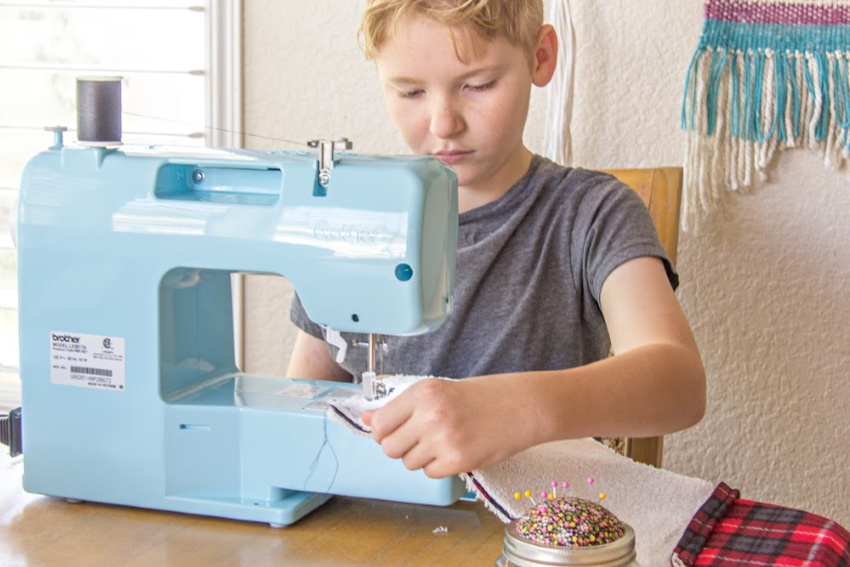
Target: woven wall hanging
<point>767,75</point>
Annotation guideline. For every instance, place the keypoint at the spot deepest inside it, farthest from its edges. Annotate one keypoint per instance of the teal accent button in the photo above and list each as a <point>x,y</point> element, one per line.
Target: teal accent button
<point>403,272</point>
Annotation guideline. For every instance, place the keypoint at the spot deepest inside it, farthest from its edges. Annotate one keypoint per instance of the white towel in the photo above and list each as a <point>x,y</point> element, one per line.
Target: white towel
<point>658,504</point>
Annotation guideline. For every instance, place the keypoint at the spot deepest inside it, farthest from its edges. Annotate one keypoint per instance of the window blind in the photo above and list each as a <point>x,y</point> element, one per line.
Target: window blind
<point>181,85</point>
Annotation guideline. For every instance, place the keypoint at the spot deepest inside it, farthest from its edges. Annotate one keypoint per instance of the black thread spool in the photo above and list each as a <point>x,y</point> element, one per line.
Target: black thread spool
<point>99,110</point>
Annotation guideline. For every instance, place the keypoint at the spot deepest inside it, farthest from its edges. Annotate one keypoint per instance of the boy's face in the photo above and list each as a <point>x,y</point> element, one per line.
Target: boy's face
<point>469,112</point>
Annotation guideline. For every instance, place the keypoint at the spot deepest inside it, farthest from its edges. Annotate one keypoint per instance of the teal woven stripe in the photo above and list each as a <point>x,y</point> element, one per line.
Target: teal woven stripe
<point>734,35</point>
<point>747,93</point>
<point>842,100</point>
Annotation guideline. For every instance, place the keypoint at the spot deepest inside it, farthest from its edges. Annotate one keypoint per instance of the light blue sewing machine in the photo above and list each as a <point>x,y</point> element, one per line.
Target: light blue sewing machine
<point>130,391</point>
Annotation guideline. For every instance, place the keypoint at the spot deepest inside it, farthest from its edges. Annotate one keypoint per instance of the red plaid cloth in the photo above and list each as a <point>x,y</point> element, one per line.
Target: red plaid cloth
<point>730,532</point>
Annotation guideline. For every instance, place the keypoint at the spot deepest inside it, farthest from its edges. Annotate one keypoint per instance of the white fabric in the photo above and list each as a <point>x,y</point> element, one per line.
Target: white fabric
<point>557,142</point>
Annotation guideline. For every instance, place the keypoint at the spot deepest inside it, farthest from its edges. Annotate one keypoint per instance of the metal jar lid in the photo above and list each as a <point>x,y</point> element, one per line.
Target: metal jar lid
<point>519,552</point>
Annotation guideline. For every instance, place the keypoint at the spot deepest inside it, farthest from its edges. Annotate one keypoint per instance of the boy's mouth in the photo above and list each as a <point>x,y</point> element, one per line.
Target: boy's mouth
<point>452,156</point>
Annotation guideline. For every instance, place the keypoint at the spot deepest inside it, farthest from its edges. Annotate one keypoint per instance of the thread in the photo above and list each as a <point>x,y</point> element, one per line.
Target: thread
<point>211,129</point>
<point>99,110</point>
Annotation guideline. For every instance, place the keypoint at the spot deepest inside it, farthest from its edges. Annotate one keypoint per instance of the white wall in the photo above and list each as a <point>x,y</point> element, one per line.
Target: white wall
<point>764,285</point>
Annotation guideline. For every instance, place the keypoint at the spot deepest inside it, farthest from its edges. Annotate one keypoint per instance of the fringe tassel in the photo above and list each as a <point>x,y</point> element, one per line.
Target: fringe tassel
<point>742,105</point>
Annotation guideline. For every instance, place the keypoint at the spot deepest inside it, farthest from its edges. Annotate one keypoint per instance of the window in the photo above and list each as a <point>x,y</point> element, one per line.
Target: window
<point>179,60</point>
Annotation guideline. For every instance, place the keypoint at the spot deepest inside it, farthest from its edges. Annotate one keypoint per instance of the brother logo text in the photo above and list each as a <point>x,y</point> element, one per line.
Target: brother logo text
<point>326,231</point>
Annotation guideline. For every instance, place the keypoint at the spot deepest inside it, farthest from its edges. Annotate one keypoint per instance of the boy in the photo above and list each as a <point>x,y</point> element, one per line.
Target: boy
<point>555,265</point>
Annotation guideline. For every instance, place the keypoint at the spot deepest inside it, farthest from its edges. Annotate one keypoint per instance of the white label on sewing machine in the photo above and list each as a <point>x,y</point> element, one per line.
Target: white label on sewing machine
<point>308,391</point>
<point>90,361</point>
<point>322,403</point>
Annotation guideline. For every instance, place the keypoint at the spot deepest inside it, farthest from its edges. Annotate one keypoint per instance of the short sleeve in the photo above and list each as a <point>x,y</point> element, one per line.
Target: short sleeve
<point>613,226</point>
<point>299,317</point>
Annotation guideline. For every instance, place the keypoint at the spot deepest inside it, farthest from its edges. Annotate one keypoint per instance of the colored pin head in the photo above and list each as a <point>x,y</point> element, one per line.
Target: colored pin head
<point>554,494</point>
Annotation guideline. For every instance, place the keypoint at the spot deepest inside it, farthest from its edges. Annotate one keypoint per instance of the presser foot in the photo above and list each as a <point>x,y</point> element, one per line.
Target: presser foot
<point>373,387</point>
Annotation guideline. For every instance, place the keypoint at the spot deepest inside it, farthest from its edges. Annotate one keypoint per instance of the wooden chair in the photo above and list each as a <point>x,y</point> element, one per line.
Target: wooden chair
<point>661,190</point>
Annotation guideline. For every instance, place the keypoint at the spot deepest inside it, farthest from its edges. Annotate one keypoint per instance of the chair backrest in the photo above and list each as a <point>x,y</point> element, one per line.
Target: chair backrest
<point>661,190</point>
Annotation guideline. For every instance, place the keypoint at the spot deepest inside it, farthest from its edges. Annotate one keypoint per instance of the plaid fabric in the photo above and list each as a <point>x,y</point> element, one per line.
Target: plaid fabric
<point>728,531</point>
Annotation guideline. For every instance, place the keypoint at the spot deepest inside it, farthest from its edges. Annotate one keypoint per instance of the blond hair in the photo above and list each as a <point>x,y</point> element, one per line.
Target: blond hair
<point>518,21</point>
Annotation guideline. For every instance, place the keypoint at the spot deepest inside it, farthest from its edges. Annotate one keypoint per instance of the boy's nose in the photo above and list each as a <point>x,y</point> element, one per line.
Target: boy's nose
<point>446,120</point>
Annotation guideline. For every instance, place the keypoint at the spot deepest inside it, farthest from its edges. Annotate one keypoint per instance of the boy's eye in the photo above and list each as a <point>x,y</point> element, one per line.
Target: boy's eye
<point>482,87</point>
<point>411,93</point>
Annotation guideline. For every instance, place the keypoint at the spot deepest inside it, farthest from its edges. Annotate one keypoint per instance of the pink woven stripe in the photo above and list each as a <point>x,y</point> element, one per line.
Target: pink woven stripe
<point>776,13</point>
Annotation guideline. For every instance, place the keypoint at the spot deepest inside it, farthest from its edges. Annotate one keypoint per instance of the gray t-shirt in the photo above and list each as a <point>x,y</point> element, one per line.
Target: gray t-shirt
<point>530,268</point>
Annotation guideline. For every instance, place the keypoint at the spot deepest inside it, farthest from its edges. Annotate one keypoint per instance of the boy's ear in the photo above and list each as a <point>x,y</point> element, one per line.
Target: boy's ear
<point>545,56</point>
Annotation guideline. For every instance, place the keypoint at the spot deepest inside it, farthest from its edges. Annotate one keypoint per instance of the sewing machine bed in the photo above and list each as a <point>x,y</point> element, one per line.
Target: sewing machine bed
<point>278,435</point>
<point>267,392</point>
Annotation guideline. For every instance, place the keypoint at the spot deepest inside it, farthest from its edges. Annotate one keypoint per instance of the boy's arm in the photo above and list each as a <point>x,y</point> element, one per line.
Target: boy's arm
<point>311,359</point>
<point>655,384</point>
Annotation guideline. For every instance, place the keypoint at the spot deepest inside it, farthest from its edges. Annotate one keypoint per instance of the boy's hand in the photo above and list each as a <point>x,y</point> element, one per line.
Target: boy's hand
<point>447,427</point>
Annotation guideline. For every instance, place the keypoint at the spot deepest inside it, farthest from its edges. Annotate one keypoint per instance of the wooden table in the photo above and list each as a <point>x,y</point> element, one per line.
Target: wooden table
<point>42,531</point>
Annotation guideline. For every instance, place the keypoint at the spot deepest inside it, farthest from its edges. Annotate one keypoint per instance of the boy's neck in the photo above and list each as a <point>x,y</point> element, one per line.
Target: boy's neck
<point>493,188</point>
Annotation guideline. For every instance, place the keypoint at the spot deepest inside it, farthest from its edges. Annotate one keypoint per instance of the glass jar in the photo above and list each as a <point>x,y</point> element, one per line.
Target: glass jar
<point>520,552</point>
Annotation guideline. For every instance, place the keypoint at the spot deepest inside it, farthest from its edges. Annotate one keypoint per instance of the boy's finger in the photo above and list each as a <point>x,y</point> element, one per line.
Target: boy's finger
<point>402,442</point>
<point>418,457</point>
<point>387,419</point>
<point>438,469</point>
